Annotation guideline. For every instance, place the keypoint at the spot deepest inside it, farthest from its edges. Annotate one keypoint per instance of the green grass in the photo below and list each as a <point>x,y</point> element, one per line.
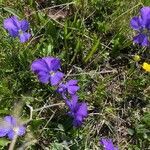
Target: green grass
<point>93,39</point>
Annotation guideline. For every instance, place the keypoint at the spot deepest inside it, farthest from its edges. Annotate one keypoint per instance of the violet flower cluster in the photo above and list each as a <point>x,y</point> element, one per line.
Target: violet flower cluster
<point>48,71</point>
<point>17,28</point>
<point>141,24</point>
<point>10,127</point>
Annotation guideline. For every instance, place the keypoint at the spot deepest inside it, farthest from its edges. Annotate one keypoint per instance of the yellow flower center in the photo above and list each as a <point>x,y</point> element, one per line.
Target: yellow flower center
<point>51,73</point>
<point>16,130</point>
<point>20,32</point>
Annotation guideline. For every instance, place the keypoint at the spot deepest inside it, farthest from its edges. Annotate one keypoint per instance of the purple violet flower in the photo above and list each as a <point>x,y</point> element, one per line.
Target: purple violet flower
<point>108,144</point>
<point>142,25</point>
<point>11,127</point>
<point>78,111</point>
<point>70,87</point>
<point>17,28</point>
<point>47,70</point>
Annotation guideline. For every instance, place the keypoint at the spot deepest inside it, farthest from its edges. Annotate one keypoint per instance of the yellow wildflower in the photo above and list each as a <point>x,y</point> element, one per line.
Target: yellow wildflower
<point>146,66</point>
<point>136,58</point>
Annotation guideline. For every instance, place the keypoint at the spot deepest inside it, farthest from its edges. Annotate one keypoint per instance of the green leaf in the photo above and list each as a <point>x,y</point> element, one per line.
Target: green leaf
<point>130,131</point>
<point>93,50</point>
<point>59,146</point>
<point>11,11</point>
<point>4,142</point>
<point>4,111</point>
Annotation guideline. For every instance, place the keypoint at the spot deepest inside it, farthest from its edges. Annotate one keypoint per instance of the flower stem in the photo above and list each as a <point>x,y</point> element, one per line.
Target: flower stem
<point>12,145</point>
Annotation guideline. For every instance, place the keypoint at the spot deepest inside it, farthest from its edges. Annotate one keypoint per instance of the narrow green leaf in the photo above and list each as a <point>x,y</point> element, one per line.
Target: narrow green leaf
<point>93,50</point>
<point>11,11</point>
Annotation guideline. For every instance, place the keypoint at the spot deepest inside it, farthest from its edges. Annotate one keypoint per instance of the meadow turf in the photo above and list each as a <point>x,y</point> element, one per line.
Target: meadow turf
<point>93,40</point>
